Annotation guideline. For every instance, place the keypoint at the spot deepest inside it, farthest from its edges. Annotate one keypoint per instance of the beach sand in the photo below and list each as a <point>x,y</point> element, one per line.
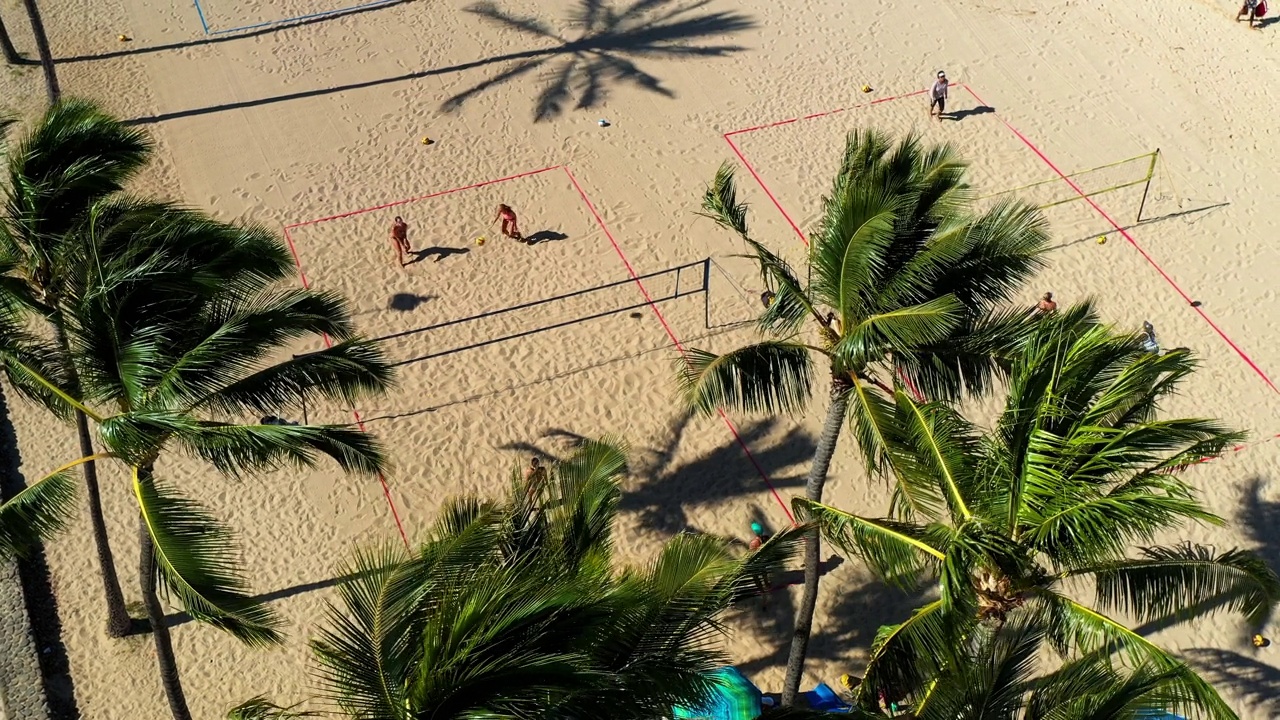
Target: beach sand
<point>289,124</point>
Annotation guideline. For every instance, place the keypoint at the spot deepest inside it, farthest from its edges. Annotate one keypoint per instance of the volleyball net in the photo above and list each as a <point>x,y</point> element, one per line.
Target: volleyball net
<point>1132,174</point>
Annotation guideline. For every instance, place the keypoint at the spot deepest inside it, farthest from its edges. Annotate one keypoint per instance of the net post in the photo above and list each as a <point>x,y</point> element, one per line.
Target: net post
<point>304,402</point>
<point>1151,173</point>
<point>706,293</point>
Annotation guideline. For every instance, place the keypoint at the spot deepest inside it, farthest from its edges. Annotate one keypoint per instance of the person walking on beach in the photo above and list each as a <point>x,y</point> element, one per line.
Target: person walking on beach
<point>938,95</point>
<point>760,537</point>
<point>400,238</point>
<point>1255,9</point>
<point>509,227</point>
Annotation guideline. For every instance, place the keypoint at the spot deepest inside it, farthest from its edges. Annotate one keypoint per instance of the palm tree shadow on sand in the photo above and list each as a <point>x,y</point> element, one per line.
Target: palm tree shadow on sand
<point>605,49</point>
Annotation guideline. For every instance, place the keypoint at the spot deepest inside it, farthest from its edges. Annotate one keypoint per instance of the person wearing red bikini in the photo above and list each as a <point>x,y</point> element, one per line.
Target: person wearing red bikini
<point>509,227</point>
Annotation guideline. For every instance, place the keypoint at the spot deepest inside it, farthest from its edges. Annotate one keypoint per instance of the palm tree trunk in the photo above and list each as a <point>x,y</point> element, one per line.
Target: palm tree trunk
<point>42,47</point>
<point>6,45</point>
<point>813,490</point>
<point>118,621</point>
<point>155,613</point>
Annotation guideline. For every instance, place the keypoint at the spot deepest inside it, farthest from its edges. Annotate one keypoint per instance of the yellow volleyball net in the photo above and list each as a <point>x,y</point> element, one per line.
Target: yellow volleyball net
<point>1135,172</point>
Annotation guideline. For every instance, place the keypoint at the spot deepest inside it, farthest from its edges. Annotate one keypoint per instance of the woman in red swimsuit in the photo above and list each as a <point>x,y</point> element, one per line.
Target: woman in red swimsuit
<point>509,226</point>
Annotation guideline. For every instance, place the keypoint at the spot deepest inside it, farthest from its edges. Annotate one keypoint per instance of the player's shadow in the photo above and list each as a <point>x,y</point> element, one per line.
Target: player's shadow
<point>958,115</point>
<point>580,68</point>
<point>408,302</point>
<point>662,491</point>
<point>439,252</point>
<point>545,236</point>
<point>604,48</point>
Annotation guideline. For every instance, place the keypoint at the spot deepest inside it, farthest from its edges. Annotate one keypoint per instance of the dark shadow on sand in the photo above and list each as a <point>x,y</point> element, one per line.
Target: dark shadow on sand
<point>439,252</point>
<point>959,115</point>
<point>230,37</point>
<point>545,236</point>
<point>579,70</point>
<point>408,302</point>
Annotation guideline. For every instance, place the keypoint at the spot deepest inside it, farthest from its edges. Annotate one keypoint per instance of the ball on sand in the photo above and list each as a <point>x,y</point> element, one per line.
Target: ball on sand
<point>124,38</point>
<point>426,140</point>
<point>866,88</point>
<point>1102,239</point>
<point>480,240</point>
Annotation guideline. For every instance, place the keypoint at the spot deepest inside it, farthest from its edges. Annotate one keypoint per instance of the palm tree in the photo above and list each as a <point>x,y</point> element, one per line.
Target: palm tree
<point>1018,519</point>
<point>514,609</point>
<point>903,280</point>
<point>177,326</point>
<point>74,158</point>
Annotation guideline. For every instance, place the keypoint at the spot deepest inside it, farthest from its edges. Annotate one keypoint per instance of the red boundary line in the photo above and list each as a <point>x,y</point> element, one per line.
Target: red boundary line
<point>679,345</point>
<point>728,138</point>
<point>302,276</point>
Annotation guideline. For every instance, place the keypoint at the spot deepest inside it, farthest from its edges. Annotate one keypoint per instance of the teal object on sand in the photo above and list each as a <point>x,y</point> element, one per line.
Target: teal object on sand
<point>734,698</point>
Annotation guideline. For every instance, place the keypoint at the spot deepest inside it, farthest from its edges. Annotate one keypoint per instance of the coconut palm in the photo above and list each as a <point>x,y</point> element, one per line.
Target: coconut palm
<point>514,609</point>
<point>177,327</point>
<point>75,157</point>
<point>903,279</point>
<point>1050,502</point>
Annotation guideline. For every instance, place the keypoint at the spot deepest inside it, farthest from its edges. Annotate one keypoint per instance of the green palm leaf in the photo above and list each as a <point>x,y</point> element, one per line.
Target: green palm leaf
<point>720,202</point>
<point>898,331</point>
<point>906,656</point>
<point>1186,581</point>
<point>259,708</point>
<point>37,513</point>
<point>239,449</point>
<point>1089,631</point>
<point>348,371</point>
<point>768,377</point>
<point>196,562</point>
<point>899,553</point>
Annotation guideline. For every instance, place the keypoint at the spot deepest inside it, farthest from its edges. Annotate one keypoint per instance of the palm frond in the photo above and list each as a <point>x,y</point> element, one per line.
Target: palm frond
<point>589,482</point>
<point>1087,527</point>
<point>898,331</point>
<point>976,353</point>
<point>195,558</point>
<point>875,427</point>
<point>791,303</point>
<point>899,553</point>
<point>938,447</point>
<point>240,449</point>
<point>1186,581</point>
<point>905,657</point>
<point>768,377</point>
<point>1088,631</point>
<point>260,708</point>
<point>720,202</point>
<point>347,372</point>
<point>991,681</point>
<point>849,247</point>
<point>75,155</point>
<point>37,513</point>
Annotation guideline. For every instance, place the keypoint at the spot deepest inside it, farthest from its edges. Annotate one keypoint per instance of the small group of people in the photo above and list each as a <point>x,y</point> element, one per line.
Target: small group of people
<point>400,232</point>
<point>1147,338</point>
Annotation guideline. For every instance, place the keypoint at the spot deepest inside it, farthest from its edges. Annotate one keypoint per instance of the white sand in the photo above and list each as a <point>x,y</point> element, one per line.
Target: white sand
<point>298,123</point>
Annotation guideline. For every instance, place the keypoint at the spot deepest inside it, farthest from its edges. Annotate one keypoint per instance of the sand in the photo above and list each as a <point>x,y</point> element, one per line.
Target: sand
<point>289,124</point>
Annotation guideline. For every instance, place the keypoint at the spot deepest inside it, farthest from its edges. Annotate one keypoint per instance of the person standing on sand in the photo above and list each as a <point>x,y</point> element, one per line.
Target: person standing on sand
<point>509,227</point>
<point>1046,305</point>
<point>1255,10</point>
<point>400,238</point>
<point>760,537</point>
<point>938,95</point>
